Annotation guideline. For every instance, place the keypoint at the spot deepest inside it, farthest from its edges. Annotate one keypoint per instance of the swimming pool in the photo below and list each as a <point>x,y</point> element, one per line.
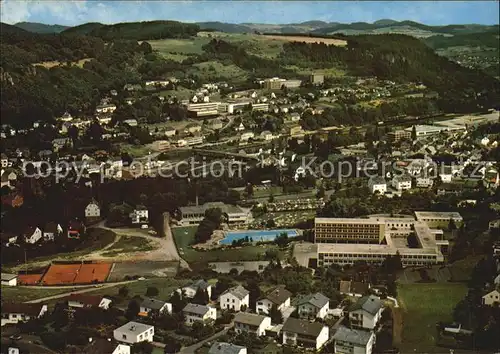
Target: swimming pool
<point>255,235</point>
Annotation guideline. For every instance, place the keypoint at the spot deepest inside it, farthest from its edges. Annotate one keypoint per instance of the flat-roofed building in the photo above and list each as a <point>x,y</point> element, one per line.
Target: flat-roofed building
<point>348,230</point>
<point>398,135</point>
<point>234,215</point>
<point>439,219</point>
<point>134,332</point>
<point>206,109</point>
<point>263,107</point>
<point>317,79</point>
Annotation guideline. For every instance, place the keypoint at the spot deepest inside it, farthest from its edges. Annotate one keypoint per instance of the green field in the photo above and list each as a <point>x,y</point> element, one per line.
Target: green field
<point>211,70</point>
<point>424,304</point>
<point>21,294</point>
<point>184,236</point>
<point>179,46</point>
<point>128,244</point>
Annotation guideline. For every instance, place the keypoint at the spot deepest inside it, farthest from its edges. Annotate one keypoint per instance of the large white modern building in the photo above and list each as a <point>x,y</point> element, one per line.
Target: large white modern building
<point>234,215</point>
<point>134,332</point>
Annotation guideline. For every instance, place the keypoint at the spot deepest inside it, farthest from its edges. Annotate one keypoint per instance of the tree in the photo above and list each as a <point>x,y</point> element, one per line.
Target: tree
<point>172,345</point>
<point>201,297</point>
<point>123,291</point>
<point>152,291</point>
<point>178,302</point>
<point>249,190</point>
<point>321,192</point>
<point>276,315</point>
<point>270,223</point>
<point>132,310</point>
<point>413,133</point>
<point>143,347</point>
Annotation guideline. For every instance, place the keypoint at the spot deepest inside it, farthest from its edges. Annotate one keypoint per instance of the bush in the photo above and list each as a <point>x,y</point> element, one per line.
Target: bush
<point>152,291</point>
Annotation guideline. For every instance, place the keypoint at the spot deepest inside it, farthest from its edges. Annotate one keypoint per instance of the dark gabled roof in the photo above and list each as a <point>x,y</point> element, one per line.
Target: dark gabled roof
<point>358,337</point>
<point>318,300</point>
<point>196,308</point>
<point>278,295</point>
<point>8,276</point>
<point>27,309</point>
<point>303,327</point>
<point>238,291</point>
<point>225,348</point>
<point>370,304</point>
<point>199,284</point>
<point>100,346</point>
<point>153,304</point>
<point>251,319</point>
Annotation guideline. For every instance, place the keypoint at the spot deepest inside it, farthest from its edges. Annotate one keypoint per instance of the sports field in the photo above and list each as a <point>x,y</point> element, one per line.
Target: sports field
<point>423,305</point>
<point>77,273</point>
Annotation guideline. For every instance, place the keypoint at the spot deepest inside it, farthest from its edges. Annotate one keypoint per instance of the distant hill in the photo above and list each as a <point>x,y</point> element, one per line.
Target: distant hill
<point>41,27</point>
<point>84,29</point>
<point>224,27</point>
<point>137,30</point>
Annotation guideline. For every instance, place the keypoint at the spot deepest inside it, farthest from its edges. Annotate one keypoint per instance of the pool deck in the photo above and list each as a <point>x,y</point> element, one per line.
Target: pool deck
<point>257,232</point>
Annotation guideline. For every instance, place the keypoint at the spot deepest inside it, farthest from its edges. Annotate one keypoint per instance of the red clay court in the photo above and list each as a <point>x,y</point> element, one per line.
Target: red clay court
<point>79,273</point>
<point>29,279</point>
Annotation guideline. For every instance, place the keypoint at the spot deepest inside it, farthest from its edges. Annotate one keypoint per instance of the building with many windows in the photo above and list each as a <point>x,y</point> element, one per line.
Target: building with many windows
<point>233,215</point>
<point>344,230</point>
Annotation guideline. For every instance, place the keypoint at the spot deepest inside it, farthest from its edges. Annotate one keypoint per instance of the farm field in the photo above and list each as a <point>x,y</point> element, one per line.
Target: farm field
<point>424,304</point>
<point>328,41</point>
<point>179,46</point>
<point>184,236</point>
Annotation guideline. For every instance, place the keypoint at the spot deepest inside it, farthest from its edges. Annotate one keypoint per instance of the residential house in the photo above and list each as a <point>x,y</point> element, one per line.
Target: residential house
<point>496,281</point>
<point>377,184</point>
<point>366,312</point>
<point>266,135</point>
<point>295,117</point>
<point>247,136</point>
<point>279,297</point>
<point>140,215</point>
<point>76,229</point>
<point>491,298</point>
<point>32,235</point>
<point>424,181</point>
<point>92,210</point>
<point>8,178</point>
<point>401,182</point>
<point>313,306</point>
<point>251,323</point>
<point>190,290</point>
<point>149,305</point>
<point>169,132</point>
<point>226,348</point>
<point>353,288</point>
<point>59,143</point>
<point>13,313</point>
<point>134,332</point>
<point>353,341</point>
<point>105,108</point>
<point>85,300</point>
<point>8,238</point>
<point>445,174</point>
<point>103,346</point>
<point>9,279</point>
<point>198,313</point>
<point>131,122</point>
<point>235,298</point>
<point>304,333</point>
<point>51,231</point>
<point>240,127</point>
<point>4,161</point>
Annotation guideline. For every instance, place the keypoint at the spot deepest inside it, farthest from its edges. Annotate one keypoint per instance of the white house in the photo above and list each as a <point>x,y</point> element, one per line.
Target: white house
<point>103,346</point>
<point>92,210</point>
<point>492,297</point>
<point>279,297</point>
<point>84,300</point>
<point>9,279</point>
<point>353,341</point>
<point>366,312</point>
<point>13,313</point>
<point>140,215</point>
<point>4,161</point>
<point>304,333</point>
<point>446,174</point>
<point>401,182</point>
<point>246,136</point>
<point>251,323</point>
<point>266,135</point>
<point>51,231</point>
<point>32,235</point>
<point>226,348</point>
<point>190,290</point>
<point>424,182</point>
<point>170,132</point>
<point>105,108</point>
<point>134,332</point>
<point>377,184</point>
<point>148,305</point>
<point>198,313</point>
<point>312,306</point>
<point>234,298</point>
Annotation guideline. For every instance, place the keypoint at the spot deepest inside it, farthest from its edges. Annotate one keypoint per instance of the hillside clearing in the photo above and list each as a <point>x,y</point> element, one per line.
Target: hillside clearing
<point>328,41</point>
<point>51,64</point>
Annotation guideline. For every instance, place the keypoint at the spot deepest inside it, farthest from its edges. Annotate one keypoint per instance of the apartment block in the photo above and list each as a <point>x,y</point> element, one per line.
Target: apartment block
<point>342,230</point>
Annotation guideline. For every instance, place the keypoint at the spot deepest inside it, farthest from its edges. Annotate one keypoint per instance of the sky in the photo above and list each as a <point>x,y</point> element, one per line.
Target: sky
<point>72,13</point>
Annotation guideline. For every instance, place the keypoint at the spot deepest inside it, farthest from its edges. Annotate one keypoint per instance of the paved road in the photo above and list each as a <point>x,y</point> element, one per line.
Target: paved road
<point>170,242</point>
<point>191,349</point>
<point>59,296</point>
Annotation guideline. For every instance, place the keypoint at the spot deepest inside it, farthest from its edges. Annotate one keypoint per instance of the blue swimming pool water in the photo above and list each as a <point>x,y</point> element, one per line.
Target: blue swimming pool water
<point>255,235</point>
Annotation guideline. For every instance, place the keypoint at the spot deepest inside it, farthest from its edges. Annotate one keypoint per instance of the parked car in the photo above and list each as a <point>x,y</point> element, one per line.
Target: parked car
<point>15,337</point>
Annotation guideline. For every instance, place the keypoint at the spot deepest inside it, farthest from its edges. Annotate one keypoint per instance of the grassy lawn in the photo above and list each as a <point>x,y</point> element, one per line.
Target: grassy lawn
<point>128,244</point>
<point>213,69</point>
<point>181,93</point>
<point>424,305</point>
<point>21,294</point>
<point>179,46</point>
<point>165,287</point>
<point>135,150</point>
<point>184,236</point>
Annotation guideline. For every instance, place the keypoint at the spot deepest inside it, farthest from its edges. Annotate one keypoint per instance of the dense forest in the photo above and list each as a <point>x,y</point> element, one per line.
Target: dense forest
<point>137,30</point>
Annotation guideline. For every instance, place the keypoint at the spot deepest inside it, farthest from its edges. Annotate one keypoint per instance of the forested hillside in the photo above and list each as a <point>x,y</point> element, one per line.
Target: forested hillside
<point>137,30</point>
<point>40,27</point>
